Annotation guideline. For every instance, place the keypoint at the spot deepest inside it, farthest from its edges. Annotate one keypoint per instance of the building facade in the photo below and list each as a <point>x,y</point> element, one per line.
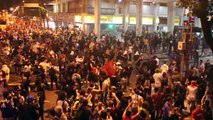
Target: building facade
<point>116,16</point>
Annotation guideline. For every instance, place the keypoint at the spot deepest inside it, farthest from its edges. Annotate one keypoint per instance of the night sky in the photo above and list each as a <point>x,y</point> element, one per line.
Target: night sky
<point>6,4</point>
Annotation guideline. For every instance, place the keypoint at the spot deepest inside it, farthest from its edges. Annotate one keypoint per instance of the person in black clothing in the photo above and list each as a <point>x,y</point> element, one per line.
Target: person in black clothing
<point>84,112</point>
<point>43,77</point>
<point>207,111</point>
<point>41,98</point>
<point>25,87</point>
<point>71,91</point>
<point>153,65</point>
<point>28,111</point>
<point>128,70</point>
<point>6,107</point>
<point>124,104</point>
<point>53,77</point>
<point>62,66</point>
<point>207,65</point>
<point>26,72</point>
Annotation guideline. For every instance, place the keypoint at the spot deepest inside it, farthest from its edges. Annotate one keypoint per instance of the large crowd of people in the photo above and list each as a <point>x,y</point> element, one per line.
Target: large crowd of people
<point>94,78</point>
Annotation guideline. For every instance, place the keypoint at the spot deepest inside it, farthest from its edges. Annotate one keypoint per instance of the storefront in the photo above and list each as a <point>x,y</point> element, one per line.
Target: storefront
<point>114,24</point>
<point>109,24</point>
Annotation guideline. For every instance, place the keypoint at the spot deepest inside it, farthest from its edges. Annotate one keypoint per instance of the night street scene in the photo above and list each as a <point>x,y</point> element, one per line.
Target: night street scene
<point>106,59</point>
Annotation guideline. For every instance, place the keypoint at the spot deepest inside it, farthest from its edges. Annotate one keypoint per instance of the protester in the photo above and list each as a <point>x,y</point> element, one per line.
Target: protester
<point>198,114</point>
<point>191,95</point>
<point>93,77</point>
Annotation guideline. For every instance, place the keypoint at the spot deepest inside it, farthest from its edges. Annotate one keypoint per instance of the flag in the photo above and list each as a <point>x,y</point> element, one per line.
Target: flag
<point>110,68</point>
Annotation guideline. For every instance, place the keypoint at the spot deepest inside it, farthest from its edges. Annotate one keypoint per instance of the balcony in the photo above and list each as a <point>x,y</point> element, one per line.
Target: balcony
<point>104,11</point>
<point>90,10</point>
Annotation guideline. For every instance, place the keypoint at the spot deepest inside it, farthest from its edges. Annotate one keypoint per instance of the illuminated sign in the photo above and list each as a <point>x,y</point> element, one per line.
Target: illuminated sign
<point>132,20</point>
<point>145,21</point>
<point>31,5</point>
<point>177,22</point>
<point>77,18</point>
<point>180,45</point>
<point>103,19</point>
<point>117,20</point>
<point>106,19</point>
<point>89,19</point>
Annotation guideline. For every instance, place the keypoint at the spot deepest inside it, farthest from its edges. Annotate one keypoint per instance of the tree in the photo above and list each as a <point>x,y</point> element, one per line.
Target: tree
<point>202,9</point>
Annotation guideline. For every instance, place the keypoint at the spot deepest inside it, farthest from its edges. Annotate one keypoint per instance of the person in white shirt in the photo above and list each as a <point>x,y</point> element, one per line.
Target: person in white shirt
<point>158,61</point>
<point>105,88</point>
<point>59,113</point>
<point>63,104</point>
<point>202,67</point>
<point>157,76</point>
<point>164,67</point>
<point>6,69</point>
<point>45,65</point>
<point>191,94</point>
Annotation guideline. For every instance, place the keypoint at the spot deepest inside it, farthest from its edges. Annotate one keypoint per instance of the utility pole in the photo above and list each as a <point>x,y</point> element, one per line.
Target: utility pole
<point>186,44</point>
<point>188,48</point>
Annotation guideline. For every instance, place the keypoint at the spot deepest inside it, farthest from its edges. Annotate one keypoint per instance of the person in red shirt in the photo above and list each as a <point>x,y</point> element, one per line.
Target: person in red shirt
<point>157,99</point>
<point>127,113</point>
<point>197,113</point>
